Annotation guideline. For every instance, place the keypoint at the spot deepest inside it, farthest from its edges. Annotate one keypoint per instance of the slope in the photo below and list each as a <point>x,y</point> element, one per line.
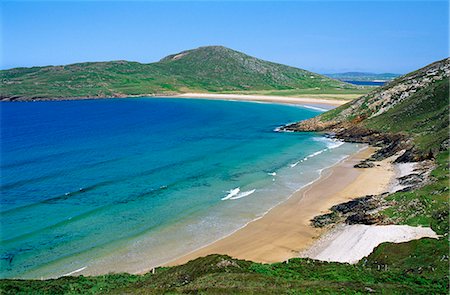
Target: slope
<point>205,69</point>
<point>409,113</point>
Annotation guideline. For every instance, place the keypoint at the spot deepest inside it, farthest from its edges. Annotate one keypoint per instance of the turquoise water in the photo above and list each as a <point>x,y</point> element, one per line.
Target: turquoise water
<point>127,184</point>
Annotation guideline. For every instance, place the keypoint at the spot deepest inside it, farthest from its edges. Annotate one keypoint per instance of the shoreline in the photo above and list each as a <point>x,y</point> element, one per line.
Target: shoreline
<point>285,230</point>
<point>330,103</point>
<point>264,98</point>
<point>88,269</point>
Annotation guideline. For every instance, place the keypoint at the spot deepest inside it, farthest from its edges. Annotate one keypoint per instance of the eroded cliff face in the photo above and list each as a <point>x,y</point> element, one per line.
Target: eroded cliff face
<point>387,97</point>
<point>350,121</point>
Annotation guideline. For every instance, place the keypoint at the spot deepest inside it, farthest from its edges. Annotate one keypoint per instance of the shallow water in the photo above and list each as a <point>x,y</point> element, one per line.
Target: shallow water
<point>149,178</point>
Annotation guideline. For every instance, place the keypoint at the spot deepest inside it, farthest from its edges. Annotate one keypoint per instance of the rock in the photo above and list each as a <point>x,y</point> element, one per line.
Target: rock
<point>411,179</point>
<point>362,218</point>
<point>227,263</point>
<point>324,219</point>
<point>357,211</point>
<point>357,205</point>
<point>444,145</point>
<point>364,164</point>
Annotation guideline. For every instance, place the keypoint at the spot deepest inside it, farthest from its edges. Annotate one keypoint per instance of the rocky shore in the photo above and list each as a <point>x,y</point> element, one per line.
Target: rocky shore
<point>365,209</point>
<point>411,109</point>
<point>388,143</point>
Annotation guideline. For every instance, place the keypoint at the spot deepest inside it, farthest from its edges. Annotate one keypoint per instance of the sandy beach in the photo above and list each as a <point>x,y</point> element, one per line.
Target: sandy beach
<point>267,98</point>
<point>285,230</point>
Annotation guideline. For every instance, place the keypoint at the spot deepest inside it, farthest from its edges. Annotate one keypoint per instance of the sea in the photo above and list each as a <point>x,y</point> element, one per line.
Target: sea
<point>366,83</point>
<point>113,185</point>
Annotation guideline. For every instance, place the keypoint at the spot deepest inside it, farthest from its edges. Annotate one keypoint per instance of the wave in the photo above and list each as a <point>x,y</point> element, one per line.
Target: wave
<point>74,272</point>
<point>150,193</point>
<point>231,193</point>
<point>243,194</point>
<point>317,153</point>
<point>281,128</point>
<point>336,144</point>
<point>314,108</point>
<point>308,157</point>
<point>294,164</point>
<point>331,143</point>
<point>272,173</point>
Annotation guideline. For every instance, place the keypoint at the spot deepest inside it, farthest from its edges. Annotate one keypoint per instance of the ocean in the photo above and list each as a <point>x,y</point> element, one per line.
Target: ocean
<point>366,83</point>
<point>93,186</point>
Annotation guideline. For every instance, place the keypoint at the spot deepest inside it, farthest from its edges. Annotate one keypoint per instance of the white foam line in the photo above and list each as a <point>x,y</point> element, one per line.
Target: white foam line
<point>243,194</point>
<point>75,271</point>
<point>268,210</point>
<point>231,193</point>
<point>314,108</point>
<point>272,173</point>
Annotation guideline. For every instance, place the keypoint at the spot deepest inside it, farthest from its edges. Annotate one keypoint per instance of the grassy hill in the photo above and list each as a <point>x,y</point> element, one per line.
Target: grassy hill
<point>411,112</point>
<point>205,69</point>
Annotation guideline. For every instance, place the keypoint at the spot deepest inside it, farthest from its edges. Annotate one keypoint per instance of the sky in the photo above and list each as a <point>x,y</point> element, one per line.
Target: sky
<point>320,36</point>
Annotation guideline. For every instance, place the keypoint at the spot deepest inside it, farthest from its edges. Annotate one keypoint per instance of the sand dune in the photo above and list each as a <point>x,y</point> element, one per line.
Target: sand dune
<point>350,243</point>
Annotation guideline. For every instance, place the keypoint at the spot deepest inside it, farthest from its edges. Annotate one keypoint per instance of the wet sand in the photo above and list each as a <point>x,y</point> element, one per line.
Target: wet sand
<point>285,230</point>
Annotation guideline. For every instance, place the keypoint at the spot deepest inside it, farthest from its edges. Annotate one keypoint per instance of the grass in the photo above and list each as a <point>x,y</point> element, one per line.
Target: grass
<point>213,69</point>
<point>427,206</point>
<point>415,267</point>
<point>424,117</point>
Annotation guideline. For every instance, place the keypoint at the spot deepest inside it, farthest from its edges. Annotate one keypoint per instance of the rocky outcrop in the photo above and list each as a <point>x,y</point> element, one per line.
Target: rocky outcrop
<point>365,210</point>
<point>357,211</point>
<point>385,98</point>
<point>410,97</point>
<point>365,164</point>
<point>389,143</point>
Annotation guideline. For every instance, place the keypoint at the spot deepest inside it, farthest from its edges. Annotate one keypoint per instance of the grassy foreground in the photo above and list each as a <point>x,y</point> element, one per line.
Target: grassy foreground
<point>416,267</point>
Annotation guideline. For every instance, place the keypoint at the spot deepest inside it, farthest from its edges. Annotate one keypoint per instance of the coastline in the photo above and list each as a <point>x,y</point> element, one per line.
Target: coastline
<point>264,98</point>
<point>329,103</point>
<point>285,230</point>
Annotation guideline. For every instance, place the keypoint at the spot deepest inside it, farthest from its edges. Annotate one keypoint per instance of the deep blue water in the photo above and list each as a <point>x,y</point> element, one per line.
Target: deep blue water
<point>87,179</point>
<point>365,83</point>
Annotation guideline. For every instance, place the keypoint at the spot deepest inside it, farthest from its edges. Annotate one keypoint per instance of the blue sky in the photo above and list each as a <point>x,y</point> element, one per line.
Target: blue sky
<point>321,36</point>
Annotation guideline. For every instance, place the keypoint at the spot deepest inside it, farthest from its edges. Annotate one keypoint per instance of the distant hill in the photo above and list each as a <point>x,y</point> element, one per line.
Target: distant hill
<point>411,112</point>
<point>362,76</point>
<point>205,69</point>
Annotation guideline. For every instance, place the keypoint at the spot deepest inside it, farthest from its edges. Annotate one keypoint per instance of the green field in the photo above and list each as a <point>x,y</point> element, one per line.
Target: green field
<point>213,69</point>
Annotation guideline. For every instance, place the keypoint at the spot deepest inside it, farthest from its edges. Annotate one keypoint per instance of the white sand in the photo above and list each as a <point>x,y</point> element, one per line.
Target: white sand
<point>267,98</point>
<point>350,243</point>
<point>402,169</point>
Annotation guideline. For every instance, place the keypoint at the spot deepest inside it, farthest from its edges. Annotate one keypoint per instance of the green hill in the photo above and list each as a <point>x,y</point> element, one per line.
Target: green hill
<point>205,69</point>
<point>411,112</point>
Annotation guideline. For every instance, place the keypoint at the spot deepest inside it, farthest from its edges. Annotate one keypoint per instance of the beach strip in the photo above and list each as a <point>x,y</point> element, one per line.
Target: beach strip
<point>285,230</point>
<point>266,98</point>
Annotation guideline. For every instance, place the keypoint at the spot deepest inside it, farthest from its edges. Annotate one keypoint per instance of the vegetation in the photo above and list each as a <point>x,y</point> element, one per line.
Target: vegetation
<point>416,267</point>
<point>205,69</point>
<point>415,105</point>
<point>423,116</point>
